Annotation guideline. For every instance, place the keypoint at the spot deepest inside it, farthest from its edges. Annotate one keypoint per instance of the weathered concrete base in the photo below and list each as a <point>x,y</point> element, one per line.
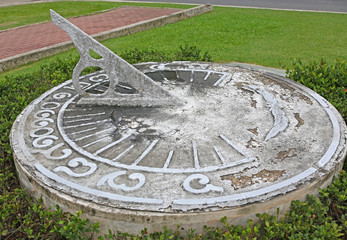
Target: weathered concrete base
<point>21,59</point>
<point>133,222</point>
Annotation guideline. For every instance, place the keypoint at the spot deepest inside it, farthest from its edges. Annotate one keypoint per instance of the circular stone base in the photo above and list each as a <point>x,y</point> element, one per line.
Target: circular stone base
<point>240,142</point>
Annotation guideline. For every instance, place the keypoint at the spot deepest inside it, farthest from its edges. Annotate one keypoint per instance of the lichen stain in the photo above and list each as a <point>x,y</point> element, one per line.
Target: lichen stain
<point>286,154</point>
<point>262,176</point>
<point>299,119</point>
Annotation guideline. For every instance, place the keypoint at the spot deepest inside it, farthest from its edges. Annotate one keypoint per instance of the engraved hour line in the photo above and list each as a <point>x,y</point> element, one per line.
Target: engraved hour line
<point>96,141</point>
<point>164,77</point>
<point>91,135</point>
<point>78,120</point>
<point>117,164</point>
<point>144,154</point>
<point>196,157</point>
<point>87,124</point>
<point>112,144</point>
<point>242,161</point>
<point>208,74</point>
<point>123,153</point>
<point>219,154</point>
<point>233,145</point>
<point>84,109</point>
<point>125,87</point>
<point>101,86</point>
<point>168,159</point>
<point>219,80</point>
<point>86,115</point>
<point>82,131</point>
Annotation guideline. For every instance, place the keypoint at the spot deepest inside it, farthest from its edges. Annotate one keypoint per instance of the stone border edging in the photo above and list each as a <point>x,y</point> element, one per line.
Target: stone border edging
<point>21,59</point>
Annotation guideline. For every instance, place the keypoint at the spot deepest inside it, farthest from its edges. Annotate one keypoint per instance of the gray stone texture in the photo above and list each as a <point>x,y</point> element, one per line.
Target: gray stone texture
<point>192,163</point>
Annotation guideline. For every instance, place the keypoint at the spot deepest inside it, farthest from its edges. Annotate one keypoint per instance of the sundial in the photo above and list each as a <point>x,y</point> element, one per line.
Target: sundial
<point>165,143</point>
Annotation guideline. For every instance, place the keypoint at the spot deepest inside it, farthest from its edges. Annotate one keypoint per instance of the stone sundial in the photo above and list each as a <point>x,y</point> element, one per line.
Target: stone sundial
<point>166,143</point>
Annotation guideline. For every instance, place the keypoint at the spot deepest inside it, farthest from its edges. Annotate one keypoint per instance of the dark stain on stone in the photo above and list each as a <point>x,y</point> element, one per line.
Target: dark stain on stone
<point>241,85</point>
<point>271,80</point>
<point>250,143</point>
<point>262,176</point>
<point>299,119</point>
<point>305,98</point>
<point>253,103</point>
<point>286,154</point>
<point>253,130</point>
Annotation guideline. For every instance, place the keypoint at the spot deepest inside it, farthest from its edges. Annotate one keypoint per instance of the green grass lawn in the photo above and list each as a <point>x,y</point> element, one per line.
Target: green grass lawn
<point>264,37</point>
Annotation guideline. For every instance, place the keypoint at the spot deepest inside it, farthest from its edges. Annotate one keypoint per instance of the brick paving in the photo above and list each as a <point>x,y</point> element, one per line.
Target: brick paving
<point>25,39</point>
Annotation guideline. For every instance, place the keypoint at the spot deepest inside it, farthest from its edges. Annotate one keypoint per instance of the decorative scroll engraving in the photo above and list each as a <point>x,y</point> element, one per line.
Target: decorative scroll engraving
<point>42,122</point>
<point>48,153</point>
<point>45,106</point>
<point>41,131</point>
<point>46,141</point>
<point>75,163</point>
<point>61,95</point>
<point>44,113</point>
<point>111,177</point>
<point>43,134</point>
<point>149,92</point>
<point>203,181</point>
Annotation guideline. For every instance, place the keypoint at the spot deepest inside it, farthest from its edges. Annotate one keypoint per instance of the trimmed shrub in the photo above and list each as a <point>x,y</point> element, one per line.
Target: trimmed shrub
<point>329,81</point>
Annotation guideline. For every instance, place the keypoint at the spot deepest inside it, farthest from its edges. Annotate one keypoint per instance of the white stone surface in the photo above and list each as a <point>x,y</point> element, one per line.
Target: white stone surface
<point>211,155</point>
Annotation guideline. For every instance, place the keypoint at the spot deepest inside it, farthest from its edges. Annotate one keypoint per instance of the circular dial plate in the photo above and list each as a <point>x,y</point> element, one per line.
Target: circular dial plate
<point>238,136</point>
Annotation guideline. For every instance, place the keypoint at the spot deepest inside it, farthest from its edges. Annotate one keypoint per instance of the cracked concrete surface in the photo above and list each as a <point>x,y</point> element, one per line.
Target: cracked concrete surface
<point>133,167</point>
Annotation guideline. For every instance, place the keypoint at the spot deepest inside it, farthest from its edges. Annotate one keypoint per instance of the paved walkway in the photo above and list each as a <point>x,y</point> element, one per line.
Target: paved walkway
<point>29,38</point>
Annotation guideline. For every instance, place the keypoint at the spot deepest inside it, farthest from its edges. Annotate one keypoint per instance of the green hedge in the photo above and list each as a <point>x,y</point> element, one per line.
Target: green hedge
<point>330,81</point>
<point>22,218</point>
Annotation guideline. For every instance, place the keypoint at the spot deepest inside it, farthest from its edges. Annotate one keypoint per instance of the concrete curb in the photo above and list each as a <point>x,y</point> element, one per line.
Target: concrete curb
<point>21,59</point>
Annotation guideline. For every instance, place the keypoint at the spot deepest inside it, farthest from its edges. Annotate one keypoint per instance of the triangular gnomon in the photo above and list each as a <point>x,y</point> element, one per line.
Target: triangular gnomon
<point>149,93</point>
